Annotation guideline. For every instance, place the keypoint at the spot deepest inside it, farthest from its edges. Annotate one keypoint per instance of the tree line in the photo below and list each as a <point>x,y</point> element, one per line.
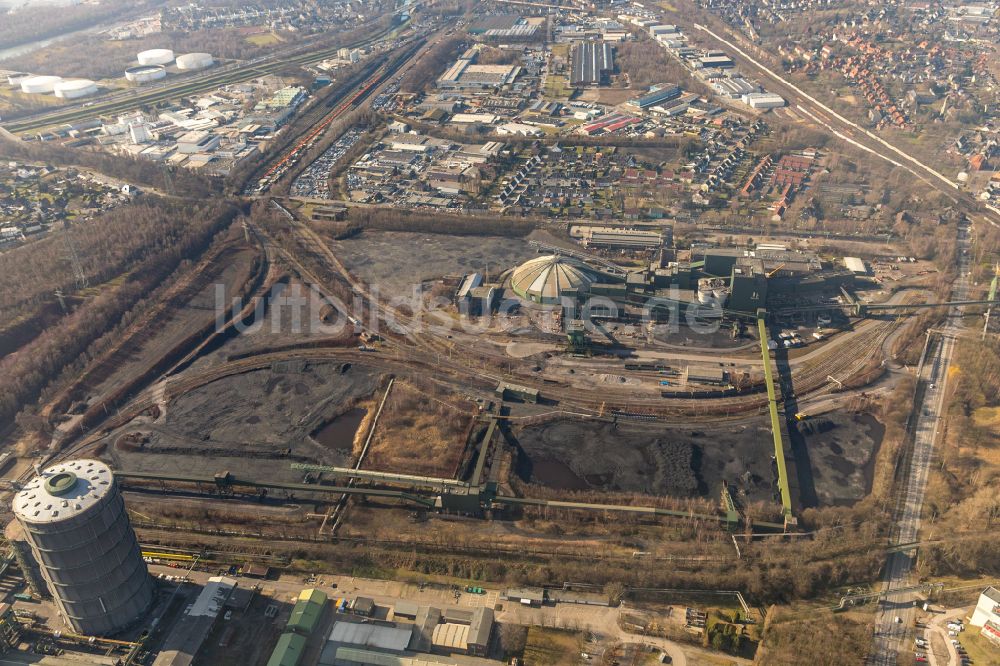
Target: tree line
<point>126,168</point>
<point>431,65</point>
<point>27,24</point>
<point>139,246</point>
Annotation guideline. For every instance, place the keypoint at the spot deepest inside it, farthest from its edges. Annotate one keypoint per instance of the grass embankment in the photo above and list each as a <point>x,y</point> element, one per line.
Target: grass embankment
<point>421,430</point>
<point>552,647</point>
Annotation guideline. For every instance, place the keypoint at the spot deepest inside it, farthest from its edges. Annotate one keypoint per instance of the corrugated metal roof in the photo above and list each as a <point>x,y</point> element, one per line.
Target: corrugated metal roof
<point>305,616</point>
<point>855,265</point>
<point>371,635</point>
<point>378,659</point>
<point>212,597</point>
<point>406,608</point>
<point>450,635</point>
<point>288,651</point>
<point>313,595</point>
<point>481,627</point>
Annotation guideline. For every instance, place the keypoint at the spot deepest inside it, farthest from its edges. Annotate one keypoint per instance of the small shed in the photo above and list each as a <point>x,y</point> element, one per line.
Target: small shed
<point>527,596</point>
<point>510,391</point>
<point>699,374</point>
<point>363,606</point>
<point>856,265</point>
<point>406,609</point>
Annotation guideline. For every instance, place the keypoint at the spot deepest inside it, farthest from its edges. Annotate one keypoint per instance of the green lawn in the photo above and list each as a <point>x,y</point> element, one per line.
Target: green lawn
<point>980,650</point>
<point>556,87</point>
<point>264,39</point>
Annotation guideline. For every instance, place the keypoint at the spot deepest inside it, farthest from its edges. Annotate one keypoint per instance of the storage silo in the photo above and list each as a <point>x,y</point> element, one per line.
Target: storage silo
<point>155,57</point>
<point>75,88</point>
<point>145,73</point>
<point>34,85</point>
<point>190,61</point>
<point>74,519</point>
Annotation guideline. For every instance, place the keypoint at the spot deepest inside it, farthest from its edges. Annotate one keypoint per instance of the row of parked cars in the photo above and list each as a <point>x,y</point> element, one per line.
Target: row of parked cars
<point>955,627</point>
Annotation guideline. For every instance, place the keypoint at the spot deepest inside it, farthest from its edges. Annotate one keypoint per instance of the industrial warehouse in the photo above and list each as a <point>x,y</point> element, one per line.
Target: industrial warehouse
<point>743,279</point>
<point>593,63</point>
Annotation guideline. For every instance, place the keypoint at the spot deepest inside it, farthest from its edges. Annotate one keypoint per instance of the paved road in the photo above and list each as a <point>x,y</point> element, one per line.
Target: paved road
<point>896,611</point>
<point>936,627</point>
<point>599,619</point>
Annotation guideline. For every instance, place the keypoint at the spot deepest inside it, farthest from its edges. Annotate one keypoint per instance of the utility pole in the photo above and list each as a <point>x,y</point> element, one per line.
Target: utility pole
<point>168,181</point>
<point>74,259</point>
<point>62,300</point>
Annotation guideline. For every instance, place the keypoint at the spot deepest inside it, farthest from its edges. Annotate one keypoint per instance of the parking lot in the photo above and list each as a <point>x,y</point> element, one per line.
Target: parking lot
<point>315,180</point>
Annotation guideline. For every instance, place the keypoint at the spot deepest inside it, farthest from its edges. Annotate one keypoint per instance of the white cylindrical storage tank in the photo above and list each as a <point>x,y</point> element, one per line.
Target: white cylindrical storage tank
<point>155,57</point>
<point>145,73</point>
<point>190,61</point>
<point>75,88</point>
<point>74,519</point>
<point>34,85</point>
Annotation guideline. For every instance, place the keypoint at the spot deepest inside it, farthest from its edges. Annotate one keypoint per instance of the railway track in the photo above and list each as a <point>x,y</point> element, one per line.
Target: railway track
<point>207,82</point>
<point>486,550</point>
<point>432,357</point>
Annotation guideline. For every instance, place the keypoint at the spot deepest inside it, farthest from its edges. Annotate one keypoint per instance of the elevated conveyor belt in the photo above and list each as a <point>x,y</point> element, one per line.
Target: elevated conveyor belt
<point>772,408</point>
<point>228,480</point>
<point>386,477</point>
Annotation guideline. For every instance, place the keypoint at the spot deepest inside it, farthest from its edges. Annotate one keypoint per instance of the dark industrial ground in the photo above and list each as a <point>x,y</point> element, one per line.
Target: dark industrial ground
<point>388,260</point>
<point>643,458</point>
<point>254,424</point>
<point>842,449</point>
<point>651,459</point>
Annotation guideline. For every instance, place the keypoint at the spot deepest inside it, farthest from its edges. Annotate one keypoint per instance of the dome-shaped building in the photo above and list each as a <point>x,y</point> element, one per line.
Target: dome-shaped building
<point>545,279</point>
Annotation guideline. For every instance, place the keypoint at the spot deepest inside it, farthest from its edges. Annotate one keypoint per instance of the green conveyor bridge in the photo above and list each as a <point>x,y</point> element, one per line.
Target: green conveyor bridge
<point>772,409</point>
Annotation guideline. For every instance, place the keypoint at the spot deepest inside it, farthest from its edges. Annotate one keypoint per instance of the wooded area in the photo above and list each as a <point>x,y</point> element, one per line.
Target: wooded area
<point>31,23</point>
<point>646,63</point>
<point>129,169</point>
<point>432,65</point>
<point>964,491</point>
<point>125,253</point>
<point>818,640</point>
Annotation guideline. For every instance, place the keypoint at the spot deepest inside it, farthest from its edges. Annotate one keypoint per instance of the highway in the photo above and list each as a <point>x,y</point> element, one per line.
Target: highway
<point>126,100</point>
<point>895,616</point>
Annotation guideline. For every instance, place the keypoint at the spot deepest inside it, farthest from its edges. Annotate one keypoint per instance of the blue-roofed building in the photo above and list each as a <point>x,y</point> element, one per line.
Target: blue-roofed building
<point>658,95</point>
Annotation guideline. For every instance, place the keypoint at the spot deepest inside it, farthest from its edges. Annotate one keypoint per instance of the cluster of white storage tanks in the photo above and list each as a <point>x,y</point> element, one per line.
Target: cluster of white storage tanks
<point>32,84</point>
<point>156,57</point>
<point>75,88</point>
<point>191,61</point>
<point>145,73</point>
<point>39,85</point>
<point>150,68</point>
<point>152,64</point>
